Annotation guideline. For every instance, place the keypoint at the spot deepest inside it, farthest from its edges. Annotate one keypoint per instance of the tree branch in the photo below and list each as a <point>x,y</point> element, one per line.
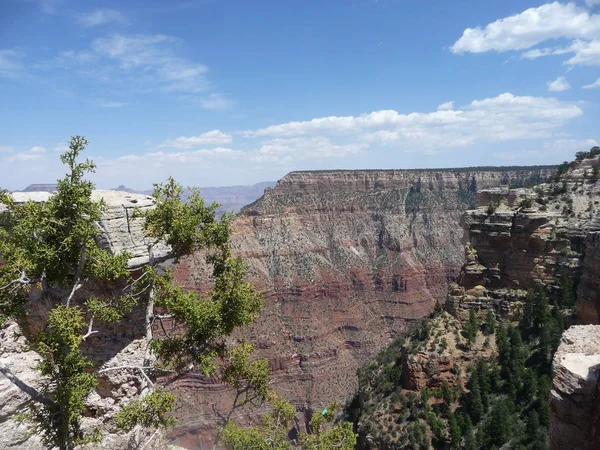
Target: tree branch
<point>29,390</point>
<point>21,280</point>
<point>148,441</point>
<point>141,369</point>
<point>90,332</point>
<point>77,278</point>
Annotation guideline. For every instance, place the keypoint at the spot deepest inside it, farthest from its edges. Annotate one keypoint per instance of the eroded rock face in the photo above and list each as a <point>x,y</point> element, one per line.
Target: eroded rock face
<point>521,238</point>
<point>120,231</point>
<point>574,396</point>
<point>345,259</point>
<point>588,296</point>
<point>117,347</point>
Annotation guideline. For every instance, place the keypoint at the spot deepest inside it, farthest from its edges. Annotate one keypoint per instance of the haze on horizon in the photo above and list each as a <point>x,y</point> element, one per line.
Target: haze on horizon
<point>232,92</point>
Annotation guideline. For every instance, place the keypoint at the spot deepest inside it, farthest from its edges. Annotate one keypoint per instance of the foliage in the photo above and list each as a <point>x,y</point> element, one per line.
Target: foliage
<point>471,327</point>
<point>526,203</point>
<point>504,403</point>
<point>594,151</point>
<point>324,434</point>
<point>152,411</point>
<point>50,252</point>
<point>492,207</point>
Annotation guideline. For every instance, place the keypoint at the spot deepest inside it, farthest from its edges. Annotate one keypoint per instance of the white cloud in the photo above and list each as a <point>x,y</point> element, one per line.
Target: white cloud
<point>217,102</point>
<point>214,137</point>
<point>502,118</point>
<point>558,85</point>
<point>190,157</point>
<point>562,148</point>
<point>10,63</point>
<point>539,52</point>
<point>101,17</point>
<point>595,84</point>
<point>446,106</point>
<point>529,28</point>
<point>143,63</point>
<point>300,149</point>
<point>592,3</point>
<point>533,26</point>
<point>104,104</point>
<point>34,153</point>
<point>587,53</point>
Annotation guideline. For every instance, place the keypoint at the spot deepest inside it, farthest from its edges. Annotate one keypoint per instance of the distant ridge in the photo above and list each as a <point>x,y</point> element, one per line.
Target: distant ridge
<point>50,187</point>
<point>440,169</point>
<point>231,198</point>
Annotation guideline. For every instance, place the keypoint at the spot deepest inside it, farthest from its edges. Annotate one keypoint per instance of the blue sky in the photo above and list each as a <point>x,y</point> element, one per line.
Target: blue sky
<point>223,92</point>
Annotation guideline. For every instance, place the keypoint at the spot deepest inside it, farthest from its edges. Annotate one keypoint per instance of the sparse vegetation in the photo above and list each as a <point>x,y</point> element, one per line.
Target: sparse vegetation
<point>503,401</point>
<point>492,207</point>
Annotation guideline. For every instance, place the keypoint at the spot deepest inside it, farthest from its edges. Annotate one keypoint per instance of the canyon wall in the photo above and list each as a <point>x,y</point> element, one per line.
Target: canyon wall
<point>346,259</point>
<point>518,239</point>
<point>123,344</point>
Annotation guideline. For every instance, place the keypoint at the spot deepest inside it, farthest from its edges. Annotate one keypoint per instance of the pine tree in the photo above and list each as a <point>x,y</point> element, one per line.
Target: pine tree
<point>454,431</point>
<point>490,322</point>
<point>472,327</point>
<point>497,429</point>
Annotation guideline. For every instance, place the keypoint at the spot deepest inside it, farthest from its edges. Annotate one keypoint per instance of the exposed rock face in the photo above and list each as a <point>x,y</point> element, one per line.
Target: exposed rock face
<point>516,243</point>
<point>120,231</point>
<point>345,259</point>
<point>115,389</point>
<point>121,346</point>
<point>588,296</point>
<point>520,238</point>
<point>574,397</point>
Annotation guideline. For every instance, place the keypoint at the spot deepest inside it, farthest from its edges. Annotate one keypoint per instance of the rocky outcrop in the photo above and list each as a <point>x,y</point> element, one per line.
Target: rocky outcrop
<point>121,231</point>
<point>588,296</point>
<point>345,259</point>
<point>574,397</point>
<point>521,238</point>
<point>116,388</point>
<point>518,239</point>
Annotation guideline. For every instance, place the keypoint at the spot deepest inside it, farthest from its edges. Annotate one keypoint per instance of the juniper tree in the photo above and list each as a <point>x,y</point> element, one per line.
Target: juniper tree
<point>272,433</point>
<point>49,252</point>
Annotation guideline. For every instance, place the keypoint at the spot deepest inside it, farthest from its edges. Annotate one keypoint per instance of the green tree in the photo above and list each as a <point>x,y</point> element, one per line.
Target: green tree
<point>567,293</point>
<point>472,327</point>
<point>50,254</point>
<point>272,433</point>
<point>455,431</point>
<point>498,427</point>
<point>490,322</point>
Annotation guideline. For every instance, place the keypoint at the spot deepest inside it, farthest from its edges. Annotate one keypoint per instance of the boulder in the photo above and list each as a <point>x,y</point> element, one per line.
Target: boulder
<point>575,368</point>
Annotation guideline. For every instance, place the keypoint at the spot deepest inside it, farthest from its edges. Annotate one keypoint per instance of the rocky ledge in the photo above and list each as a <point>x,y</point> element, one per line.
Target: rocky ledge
<point>575,396</point>
<point>120,230</point>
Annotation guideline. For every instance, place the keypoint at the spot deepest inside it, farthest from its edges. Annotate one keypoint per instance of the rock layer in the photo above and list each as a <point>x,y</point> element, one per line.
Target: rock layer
<point>345,258</point>
<point>574,396</point>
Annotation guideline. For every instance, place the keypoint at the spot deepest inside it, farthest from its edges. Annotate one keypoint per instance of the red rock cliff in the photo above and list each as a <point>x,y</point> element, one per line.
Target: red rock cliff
<point>345,259</point>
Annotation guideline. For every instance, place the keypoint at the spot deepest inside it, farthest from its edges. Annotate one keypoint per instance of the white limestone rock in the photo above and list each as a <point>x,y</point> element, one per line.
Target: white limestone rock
<point>120,230</point>
<point>575,369</point>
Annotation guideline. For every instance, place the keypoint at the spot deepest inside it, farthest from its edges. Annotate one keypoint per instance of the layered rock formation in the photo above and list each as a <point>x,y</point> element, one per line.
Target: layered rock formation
<point>575,389</point>
<point>120,230</point>
<point>521,238</point>
<point>346,258</point>
<point>122,345</point>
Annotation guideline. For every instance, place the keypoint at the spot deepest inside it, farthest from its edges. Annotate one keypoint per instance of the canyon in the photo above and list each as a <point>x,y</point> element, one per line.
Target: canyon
<point>348,259</point>
<point>345,259</point>
<point>516,240</point>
